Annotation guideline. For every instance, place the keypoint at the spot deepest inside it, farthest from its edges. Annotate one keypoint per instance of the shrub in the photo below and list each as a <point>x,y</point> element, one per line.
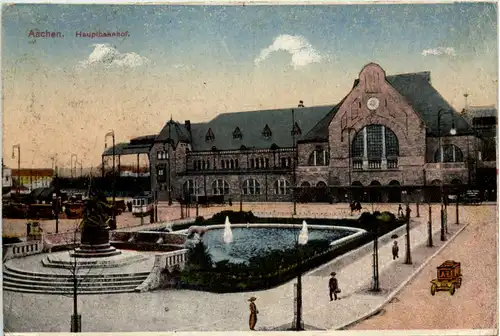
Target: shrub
<point>235,217</point>
<point>386,216</point>
<point>9,239</point>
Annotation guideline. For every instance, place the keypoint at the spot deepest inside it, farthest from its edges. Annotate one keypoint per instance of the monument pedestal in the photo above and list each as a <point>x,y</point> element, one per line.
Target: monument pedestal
<point>95,243</point>
<point>95,251</point>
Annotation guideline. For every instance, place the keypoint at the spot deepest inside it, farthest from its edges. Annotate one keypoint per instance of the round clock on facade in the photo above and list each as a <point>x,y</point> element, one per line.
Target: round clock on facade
<point>372,103</point>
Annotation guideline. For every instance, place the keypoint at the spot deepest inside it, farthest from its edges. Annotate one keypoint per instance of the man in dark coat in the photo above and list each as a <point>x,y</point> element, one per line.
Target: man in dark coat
<point>334,286</point>
<point>408,211</point>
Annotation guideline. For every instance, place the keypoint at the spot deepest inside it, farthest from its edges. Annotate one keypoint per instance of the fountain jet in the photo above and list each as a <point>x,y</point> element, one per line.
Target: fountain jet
<point>304,234</point>
<point>228,233</point>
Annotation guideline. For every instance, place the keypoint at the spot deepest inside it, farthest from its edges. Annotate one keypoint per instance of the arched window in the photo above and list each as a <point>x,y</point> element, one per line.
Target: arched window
<point>321,184</point>
<point>257,163</point>
<point>305,184</point>
<point>220,187</point>
<point>236,163</point>
<point>191,187</point>
<point>208,164</point>
<point>282,187</point>
<point>381,144</point>
<point>267,162</point>
<point>222,165</point>
<point>252,163</point>
<point>449,153</point>
<point>232,164</point>
<point>251,187</point>
<point>319,157</point>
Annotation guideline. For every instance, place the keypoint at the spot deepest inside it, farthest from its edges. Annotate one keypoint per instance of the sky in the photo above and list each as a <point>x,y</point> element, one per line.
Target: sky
<point>61,95</point>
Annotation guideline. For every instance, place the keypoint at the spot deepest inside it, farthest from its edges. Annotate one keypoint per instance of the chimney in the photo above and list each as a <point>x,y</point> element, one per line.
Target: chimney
<point>301,103</point>
<point>187,125</point>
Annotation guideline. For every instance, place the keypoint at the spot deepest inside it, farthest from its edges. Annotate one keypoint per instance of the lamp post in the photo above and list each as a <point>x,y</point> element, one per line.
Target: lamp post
<point>294,163</point>
<point>430,243</point>
<point>376,281</point>
<point>71,163</point>
<point>408,260</point>
<point>348,129</point>
<point>418,203</point>
<point>81,168</point>
<point>112,135</point>
<point>168,160</point>
<point>452,132</point>
<point>302,239</point>
<point>18,147</point>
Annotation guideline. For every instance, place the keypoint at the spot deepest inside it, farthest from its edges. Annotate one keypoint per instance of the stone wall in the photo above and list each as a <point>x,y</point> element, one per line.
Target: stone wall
<point>394,113</point>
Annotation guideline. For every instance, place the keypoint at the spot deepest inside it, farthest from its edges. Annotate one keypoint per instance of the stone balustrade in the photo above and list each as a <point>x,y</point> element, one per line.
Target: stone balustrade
<point>19,250</point>
<point>163,262</point>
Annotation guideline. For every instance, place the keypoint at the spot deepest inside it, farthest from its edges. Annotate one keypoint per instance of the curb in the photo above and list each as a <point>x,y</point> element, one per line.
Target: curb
<point>360,251</point>
<point>402,285</point>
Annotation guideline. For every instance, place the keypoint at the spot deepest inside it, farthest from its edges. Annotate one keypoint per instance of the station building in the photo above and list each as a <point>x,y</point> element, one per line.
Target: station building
<point>395,131</point>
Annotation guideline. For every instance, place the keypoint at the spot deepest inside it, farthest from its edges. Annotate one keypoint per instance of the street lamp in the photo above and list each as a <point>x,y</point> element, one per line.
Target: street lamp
<point>376,281</point>
<point>18,147</point>
<point>348,129</point>
<point>71,163</point>
<point>112,135</point>
<point>81,168</point>
<point>302,239</point>
<point>453,131</point>
<point>430,243</point>
<point>408,248</point>
<point>294,163</point>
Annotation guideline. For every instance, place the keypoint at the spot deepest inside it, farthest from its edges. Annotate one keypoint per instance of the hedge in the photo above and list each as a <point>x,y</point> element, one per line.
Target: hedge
<point>261,274</point>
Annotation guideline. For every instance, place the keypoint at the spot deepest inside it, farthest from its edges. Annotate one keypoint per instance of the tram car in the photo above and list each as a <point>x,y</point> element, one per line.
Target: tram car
<point>142,206</point>
<point>449,278</point>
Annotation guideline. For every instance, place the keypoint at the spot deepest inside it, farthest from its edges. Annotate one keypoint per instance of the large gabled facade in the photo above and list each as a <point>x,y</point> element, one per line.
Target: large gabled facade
<point>385,131</point>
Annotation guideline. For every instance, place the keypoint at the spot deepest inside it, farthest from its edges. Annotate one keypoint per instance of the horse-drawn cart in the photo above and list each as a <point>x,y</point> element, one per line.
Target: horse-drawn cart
<point>449,278</point>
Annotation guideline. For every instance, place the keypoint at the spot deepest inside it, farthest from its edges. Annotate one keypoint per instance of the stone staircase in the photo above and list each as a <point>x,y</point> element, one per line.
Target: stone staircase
<point>16,280</point>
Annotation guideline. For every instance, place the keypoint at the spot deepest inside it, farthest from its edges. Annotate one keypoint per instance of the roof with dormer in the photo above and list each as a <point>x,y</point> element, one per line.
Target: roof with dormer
<point>173,131</point>
<point>251,125</point>
<point>425,100</point>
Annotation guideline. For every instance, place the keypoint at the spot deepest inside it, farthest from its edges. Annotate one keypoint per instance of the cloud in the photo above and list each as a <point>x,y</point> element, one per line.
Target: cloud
<point>439,51</point>
<point>107,55</point>
<point>301,50</point>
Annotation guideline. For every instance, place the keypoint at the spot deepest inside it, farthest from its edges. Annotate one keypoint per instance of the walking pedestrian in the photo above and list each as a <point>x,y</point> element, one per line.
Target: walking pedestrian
<point>400,211</point>
<point>408,211</point>
<point>395,251</point>
<point>253,313</point>
<point>334,286</point>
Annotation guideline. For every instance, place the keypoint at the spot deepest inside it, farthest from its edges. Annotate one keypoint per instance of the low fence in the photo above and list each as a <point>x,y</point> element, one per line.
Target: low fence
<point>165,264</point>
<point>19,250</point>
<point>347,258</point>
<point>339,214</point>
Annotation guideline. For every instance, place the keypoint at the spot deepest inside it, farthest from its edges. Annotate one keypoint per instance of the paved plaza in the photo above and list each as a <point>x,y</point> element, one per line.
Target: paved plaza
<point>185,310</point>
<point>474,305</point>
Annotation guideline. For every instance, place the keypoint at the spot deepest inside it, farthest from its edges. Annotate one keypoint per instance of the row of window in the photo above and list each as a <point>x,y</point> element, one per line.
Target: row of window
<point>449,153</point>
<point>249,187</point>
<point>234,163</point>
